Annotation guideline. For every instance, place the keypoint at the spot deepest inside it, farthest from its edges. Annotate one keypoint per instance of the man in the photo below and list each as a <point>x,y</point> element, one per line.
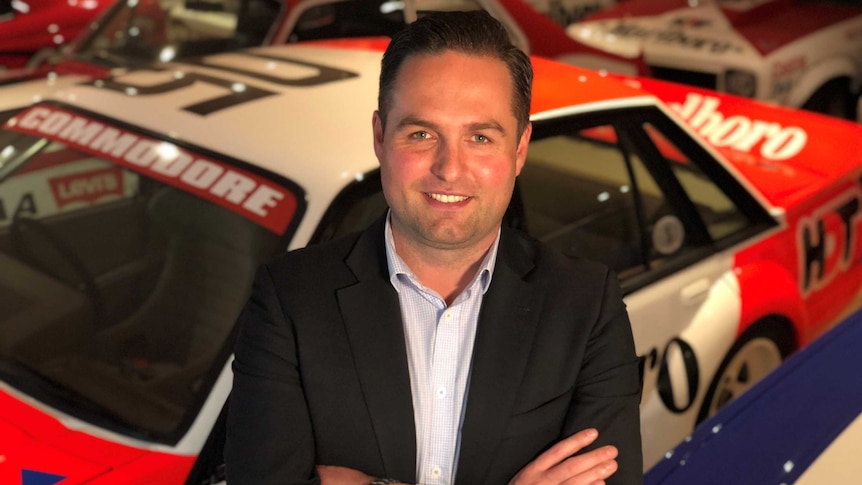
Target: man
<point>436,347</point>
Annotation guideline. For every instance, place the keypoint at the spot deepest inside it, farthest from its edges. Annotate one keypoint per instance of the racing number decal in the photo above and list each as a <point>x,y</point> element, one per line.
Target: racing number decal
<point>325,74</point>
<point>239,93</point>
<point>677,355</point>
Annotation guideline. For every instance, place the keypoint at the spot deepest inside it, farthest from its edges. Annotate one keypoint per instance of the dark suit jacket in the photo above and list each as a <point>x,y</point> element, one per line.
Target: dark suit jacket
<point>321,376</point>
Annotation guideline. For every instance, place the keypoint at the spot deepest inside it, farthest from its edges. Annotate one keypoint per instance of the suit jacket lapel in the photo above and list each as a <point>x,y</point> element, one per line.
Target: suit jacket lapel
<point>503,342</point>
<point>372,316</point>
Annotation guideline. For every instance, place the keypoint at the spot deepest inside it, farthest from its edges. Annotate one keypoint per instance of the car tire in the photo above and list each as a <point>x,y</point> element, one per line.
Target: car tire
<point>832,99</point>
<point>760,349</point>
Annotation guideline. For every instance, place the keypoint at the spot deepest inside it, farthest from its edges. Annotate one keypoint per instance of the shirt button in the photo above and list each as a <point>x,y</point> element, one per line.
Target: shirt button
<point>447,315</point>
<point>436,472</point>
<point>441,392</point>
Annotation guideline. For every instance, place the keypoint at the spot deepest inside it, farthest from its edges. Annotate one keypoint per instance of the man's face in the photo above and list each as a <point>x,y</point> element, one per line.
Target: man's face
<point>450,151</point>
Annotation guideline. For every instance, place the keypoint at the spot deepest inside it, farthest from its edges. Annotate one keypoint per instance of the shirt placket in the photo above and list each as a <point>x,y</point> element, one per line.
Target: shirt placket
<point>443,373</point>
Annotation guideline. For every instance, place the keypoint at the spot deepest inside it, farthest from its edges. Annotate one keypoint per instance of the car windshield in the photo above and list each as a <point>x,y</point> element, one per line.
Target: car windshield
<point>125,261</point>
<point>144,31</point>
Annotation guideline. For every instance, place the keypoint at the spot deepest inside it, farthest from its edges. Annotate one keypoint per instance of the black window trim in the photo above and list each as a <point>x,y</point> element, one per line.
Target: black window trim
<point>629,125</point>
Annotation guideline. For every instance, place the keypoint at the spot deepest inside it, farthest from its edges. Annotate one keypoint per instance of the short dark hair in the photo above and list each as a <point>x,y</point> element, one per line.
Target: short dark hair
<point>474,33</point>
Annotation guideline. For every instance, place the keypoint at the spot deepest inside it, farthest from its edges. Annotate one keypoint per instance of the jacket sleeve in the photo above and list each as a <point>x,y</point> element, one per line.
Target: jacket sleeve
<point>608,390</point>
<point>269,434</point>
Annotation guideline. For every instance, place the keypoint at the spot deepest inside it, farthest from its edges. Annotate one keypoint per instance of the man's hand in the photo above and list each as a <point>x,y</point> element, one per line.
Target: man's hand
<point>339,475</point>
<point>557,465</point>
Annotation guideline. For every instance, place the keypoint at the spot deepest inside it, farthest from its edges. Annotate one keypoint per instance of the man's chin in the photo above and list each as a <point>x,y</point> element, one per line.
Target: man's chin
<point>450,239</point>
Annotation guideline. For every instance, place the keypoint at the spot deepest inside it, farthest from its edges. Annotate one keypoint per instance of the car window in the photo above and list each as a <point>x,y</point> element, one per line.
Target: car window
<point>719,213</point>
<point>146,31</point>
<point>578,197</point>
<point>425,7</point>
<point>354,209</point>
<point>121,280</point>
<point>348,18</point>
<point>636,195</point>
<point>6,10</point>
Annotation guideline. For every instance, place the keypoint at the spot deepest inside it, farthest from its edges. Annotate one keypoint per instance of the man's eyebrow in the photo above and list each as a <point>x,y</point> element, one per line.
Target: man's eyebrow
<point>487,125</point>
<point>414,121</point>
<point>476,126</point>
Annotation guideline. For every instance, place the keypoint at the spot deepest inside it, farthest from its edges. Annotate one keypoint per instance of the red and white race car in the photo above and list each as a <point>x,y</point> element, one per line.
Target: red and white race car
<point>29,26</point>
<point>141,32</point>
<point>799,53</point>
<point>134,210</point>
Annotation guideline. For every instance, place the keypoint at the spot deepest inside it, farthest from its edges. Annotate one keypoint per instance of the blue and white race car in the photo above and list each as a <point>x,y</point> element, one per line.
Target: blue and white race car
<point>801,425</point>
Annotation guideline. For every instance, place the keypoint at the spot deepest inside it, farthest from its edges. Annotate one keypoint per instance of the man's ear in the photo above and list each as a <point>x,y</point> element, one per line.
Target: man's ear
<point>523,144</point>
<point>377,128</point>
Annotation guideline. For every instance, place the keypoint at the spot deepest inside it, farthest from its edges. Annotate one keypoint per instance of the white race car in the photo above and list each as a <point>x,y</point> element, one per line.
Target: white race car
<point>800,53</point>
<point>134,210</point>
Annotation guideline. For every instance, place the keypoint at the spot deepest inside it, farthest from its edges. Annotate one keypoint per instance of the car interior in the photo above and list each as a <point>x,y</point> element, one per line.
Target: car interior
<point>125,301</point>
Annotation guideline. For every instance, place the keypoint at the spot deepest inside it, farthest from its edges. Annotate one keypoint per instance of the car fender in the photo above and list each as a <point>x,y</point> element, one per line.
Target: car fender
<point>821,73</point>
<point>682,371</point>
<point>781,297</point>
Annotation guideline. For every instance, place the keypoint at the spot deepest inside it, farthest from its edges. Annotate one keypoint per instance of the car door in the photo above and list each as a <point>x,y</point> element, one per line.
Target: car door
<point>633,190</point>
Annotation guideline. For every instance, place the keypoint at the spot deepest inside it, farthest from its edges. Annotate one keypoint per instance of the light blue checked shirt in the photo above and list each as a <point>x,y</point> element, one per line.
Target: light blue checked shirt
<point>439,354</point>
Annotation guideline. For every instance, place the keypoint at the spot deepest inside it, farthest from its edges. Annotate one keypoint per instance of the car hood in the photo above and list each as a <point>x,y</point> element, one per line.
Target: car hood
<point>22,89</point>
<point>38,449</point>
<point>787,155</point>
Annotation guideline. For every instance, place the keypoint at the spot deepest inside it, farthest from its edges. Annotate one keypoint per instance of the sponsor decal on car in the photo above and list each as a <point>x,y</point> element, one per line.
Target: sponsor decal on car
<point>88,187</point>
<point>245,193</point>
<point>566,12</point>
<point>770,139</point>
<point>68,181</point>
<point>675,37</point>
<point>828,240</point>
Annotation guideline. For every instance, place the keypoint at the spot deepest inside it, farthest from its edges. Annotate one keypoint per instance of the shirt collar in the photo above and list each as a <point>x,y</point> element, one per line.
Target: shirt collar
<point>397,266</point>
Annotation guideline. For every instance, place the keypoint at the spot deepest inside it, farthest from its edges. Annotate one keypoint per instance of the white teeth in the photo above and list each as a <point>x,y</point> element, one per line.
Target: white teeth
<point>448,199</point>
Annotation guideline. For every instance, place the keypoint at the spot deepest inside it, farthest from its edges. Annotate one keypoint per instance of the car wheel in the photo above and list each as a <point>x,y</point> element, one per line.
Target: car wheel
<point>758,352</point>
<point>833,99</point>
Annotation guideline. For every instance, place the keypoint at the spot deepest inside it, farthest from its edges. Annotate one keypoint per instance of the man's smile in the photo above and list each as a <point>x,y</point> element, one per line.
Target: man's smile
<point>447,198</point>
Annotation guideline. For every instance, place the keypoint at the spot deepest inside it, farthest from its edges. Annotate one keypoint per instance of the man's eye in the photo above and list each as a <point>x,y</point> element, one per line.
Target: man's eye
<point>481,138</point>
<point>420,135</point>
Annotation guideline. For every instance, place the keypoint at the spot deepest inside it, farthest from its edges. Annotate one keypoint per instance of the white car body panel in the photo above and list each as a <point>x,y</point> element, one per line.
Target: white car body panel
<point>20,94</point>
<point>701,305</point>
<point>839,462</point>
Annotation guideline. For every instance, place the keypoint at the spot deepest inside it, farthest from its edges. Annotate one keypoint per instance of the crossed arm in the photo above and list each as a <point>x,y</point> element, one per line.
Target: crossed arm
<point>560,464</point>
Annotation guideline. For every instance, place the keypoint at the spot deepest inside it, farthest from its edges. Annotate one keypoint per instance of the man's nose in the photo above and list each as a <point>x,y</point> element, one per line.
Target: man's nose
<point>448,162</point>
